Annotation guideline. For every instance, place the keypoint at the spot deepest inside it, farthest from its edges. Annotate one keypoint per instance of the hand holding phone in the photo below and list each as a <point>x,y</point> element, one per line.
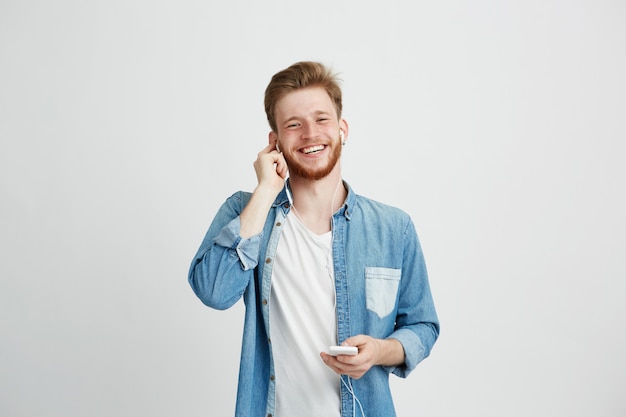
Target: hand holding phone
<point>342,350</point>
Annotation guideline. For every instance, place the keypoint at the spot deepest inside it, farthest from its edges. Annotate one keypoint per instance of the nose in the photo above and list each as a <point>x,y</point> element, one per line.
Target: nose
<point>310,131</point>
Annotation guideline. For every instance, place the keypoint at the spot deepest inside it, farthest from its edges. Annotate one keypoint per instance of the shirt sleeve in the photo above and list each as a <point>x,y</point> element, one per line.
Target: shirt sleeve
<point>224,264</point>
<point>417,324</point>
<point>247,249</point>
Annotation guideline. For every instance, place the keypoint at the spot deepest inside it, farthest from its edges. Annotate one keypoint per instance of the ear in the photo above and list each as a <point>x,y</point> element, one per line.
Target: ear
<point>273,138</point>
<point>343,125</point>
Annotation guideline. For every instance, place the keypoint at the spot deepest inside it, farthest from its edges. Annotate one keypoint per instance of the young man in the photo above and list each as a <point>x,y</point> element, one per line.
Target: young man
<point>317,265</point>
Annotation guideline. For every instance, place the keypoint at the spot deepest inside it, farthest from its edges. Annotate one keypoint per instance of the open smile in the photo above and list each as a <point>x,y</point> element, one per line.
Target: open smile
<point>313,149</point>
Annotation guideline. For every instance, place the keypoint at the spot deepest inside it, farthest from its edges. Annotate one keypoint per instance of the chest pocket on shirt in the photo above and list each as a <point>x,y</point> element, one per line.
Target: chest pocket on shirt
<point>381,289</point>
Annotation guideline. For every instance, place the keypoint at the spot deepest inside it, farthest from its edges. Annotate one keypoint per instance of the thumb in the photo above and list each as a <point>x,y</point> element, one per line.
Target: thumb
<point>357,340</point>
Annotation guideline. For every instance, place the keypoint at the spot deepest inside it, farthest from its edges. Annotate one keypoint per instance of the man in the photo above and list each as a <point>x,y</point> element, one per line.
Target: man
<point>317,265</point>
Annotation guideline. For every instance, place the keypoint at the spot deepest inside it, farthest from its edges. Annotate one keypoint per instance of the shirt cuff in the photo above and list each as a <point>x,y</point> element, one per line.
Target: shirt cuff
<point>414,352</point>
<point>247,250</point>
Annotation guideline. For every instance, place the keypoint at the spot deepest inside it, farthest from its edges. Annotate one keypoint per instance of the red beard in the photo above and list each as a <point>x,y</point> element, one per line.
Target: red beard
<point>299,170</point>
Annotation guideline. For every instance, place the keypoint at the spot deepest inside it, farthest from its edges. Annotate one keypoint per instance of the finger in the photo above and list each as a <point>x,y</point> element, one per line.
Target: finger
<point>343,369</point>
<point>281,166</point>
<point>282,172</point>
<point>342,365</point>
<point>350,361</point>
<point>357,340</point>
<point>268,159</point>
<point>331,362</point>
<point>268,149</point>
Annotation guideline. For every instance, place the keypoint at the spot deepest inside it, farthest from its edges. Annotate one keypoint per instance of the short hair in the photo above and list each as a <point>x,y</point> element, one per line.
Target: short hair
<point>301,75</point>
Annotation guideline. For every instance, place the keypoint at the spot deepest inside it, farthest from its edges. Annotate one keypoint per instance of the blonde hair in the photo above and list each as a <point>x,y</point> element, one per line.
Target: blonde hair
<point>301,75</point>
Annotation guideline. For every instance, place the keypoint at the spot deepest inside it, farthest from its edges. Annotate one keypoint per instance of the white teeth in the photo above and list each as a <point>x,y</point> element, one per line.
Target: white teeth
<point>313,149</point>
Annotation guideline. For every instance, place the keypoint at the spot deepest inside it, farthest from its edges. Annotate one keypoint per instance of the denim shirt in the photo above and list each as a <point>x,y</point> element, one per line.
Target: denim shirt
<point>381,288</point>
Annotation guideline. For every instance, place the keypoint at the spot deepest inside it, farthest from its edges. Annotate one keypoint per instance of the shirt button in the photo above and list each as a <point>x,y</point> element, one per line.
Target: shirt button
<point>272,378</point>
<point>264,302</point>
<point>269,340</point>
<point>278,224</point>
<point>286,205</point>
<point>268,260</point>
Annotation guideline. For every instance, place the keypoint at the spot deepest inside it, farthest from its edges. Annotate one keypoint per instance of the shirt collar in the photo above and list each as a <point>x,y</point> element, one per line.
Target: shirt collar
<point>283,199</point>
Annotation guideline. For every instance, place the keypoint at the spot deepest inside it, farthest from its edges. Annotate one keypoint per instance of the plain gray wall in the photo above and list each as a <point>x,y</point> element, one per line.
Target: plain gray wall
<point>498,125</point>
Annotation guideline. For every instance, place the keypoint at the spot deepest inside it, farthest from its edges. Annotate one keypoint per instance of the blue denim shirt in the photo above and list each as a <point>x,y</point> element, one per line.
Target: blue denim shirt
<point>381,287</point>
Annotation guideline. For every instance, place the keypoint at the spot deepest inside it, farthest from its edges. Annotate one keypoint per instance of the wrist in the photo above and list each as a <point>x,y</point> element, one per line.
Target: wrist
<point>391,352</point>
<point>254,214</point>
<point>268,190</point>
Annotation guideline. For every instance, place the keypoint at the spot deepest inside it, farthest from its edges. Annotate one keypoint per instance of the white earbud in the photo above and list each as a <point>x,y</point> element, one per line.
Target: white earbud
<point>343,142</point>
<point>277,147</point>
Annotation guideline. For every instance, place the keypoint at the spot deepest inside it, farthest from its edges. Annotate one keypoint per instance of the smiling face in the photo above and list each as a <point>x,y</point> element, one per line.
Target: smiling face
<point>308,133</point>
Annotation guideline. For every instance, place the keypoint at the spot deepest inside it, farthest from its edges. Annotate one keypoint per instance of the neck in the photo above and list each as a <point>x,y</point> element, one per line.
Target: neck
<point>316,201</point>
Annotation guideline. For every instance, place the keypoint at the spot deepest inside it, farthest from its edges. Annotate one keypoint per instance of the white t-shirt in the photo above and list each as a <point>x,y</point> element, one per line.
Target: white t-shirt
<point>303,323</point>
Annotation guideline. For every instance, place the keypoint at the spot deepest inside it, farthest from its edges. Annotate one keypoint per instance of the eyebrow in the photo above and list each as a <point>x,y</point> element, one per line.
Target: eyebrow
<point>316,113</point>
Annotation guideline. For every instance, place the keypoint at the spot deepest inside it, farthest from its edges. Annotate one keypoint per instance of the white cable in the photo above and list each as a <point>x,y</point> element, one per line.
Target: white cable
<point>355,399</point>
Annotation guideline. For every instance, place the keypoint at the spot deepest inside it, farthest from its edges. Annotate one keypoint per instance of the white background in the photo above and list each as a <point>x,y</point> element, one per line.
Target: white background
<point>498,125</point>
